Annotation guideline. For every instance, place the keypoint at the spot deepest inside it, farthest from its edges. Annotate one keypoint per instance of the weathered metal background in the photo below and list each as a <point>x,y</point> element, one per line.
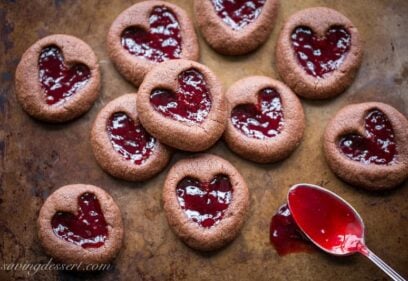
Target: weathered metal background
<point>36,158</point>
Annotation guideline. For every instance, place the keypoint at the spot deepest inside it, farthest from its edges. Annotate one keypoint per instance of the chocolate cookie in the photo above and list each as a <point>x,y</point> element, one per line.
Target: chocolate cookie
<point>122,146</point>
<point>149,33</point>
<point>366,145</point>
<point>235,27</point>
<point>206,201</point>
<point>182,104</point>
<point>266,120</point>
<point>318,53</point>
<point>80,224</point>
<point>57,78</point>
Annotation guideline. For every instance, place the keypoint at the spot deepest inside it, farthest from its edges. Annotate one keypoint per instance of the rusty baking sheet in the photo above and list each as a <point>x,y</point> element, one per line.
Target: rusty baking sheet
<point>37,158</point>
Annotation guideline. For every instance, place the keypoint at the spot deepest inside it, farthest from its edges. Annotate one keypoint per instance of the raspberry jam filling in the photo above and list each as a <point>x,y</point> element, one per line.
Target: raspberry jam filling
<point>128,139</point>
<point>321,55</point>
<point>377,146</point>
<point>87,229</point>
<point>162,42</point>
<point>238,13</point>
<point>205,202</point>
<point>262,120</point>
<point>190,102</point>
<point>330,222</point>
<point>58,81</point>
<point>285,235</point>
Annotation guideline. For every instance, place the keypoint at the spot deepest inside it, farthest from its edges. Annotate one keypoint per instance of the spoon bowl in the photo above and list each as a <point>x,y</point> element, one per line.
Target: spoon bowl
<point>331,223</point>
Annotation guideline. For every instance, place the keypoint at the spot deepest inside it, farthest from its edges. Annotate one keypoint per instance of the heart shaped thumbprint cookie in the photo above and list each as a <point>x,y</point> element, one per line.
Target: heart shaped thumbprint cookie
<point>206,201</point>
<point>366,145</point>
<point>80,224</point>
<point>266,120</point>
<point>235,27</point>
<point>148,33</point>
<point>121,145</point>
<point>58,78</point>
<point>182,104</point>
<point>318,53</point>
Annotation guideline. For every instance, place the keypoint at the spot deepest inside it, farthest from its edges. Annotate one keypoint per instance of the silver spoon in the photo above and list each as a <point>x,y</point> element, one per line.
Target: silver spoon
<point>314,210</point>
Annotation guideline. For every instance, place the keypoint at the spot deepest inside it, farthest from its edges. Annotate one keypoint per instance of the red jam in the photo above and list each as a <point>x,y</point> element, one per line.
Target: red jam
<point>260,121</point>
<point>87,229</point>
<point>285,235</point>
<point>191,102</point>
<point>321,55</point>
<point>205,202</point>
<point>128,139</point>
<point>162,42</point>
<point>327,220</point>
<point>377,146</point>
<point>238,13</point>
<point>57,80</point>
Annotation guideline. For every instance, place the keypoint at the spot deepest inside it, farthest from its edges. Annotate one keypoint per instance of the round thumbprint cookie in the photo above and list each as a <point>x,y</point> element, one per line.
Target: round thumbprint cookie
<point>366,145</point>
<point>318,53</point>
<point>206,201</point>
<point>265,119</point>
<point>57,79</point>
<point>122,147</point>
<point>235,27</point>
<point>80,224</point>
<point>149,33</point>
<point>182,104</point>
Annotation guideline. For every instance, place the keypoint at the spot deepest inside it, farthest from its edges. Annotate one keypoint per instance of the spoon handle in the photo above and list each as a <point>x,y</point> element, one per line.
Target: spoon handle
<point>381,264</point>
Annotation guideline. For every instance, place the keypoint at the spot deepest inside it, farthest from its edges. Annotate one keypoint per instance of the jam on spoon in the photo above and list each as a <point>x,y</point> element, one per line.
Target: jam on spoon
<point>331,223</point>
<point>325,219</point>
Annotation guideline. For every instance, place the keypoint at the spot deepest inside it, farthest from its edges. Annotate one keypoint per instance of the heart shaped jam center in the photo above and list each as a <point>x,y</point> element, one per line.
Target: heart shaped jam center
<point>57,80</point>
<point>205,202</point>
<point>163,40</point>
<point>87,229</point>
<point>128,139</point>
<point>190,102</point>
<point>260,121</point>
<point>238,13</point>
<point>377,146</point>
<point>321,55</point>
